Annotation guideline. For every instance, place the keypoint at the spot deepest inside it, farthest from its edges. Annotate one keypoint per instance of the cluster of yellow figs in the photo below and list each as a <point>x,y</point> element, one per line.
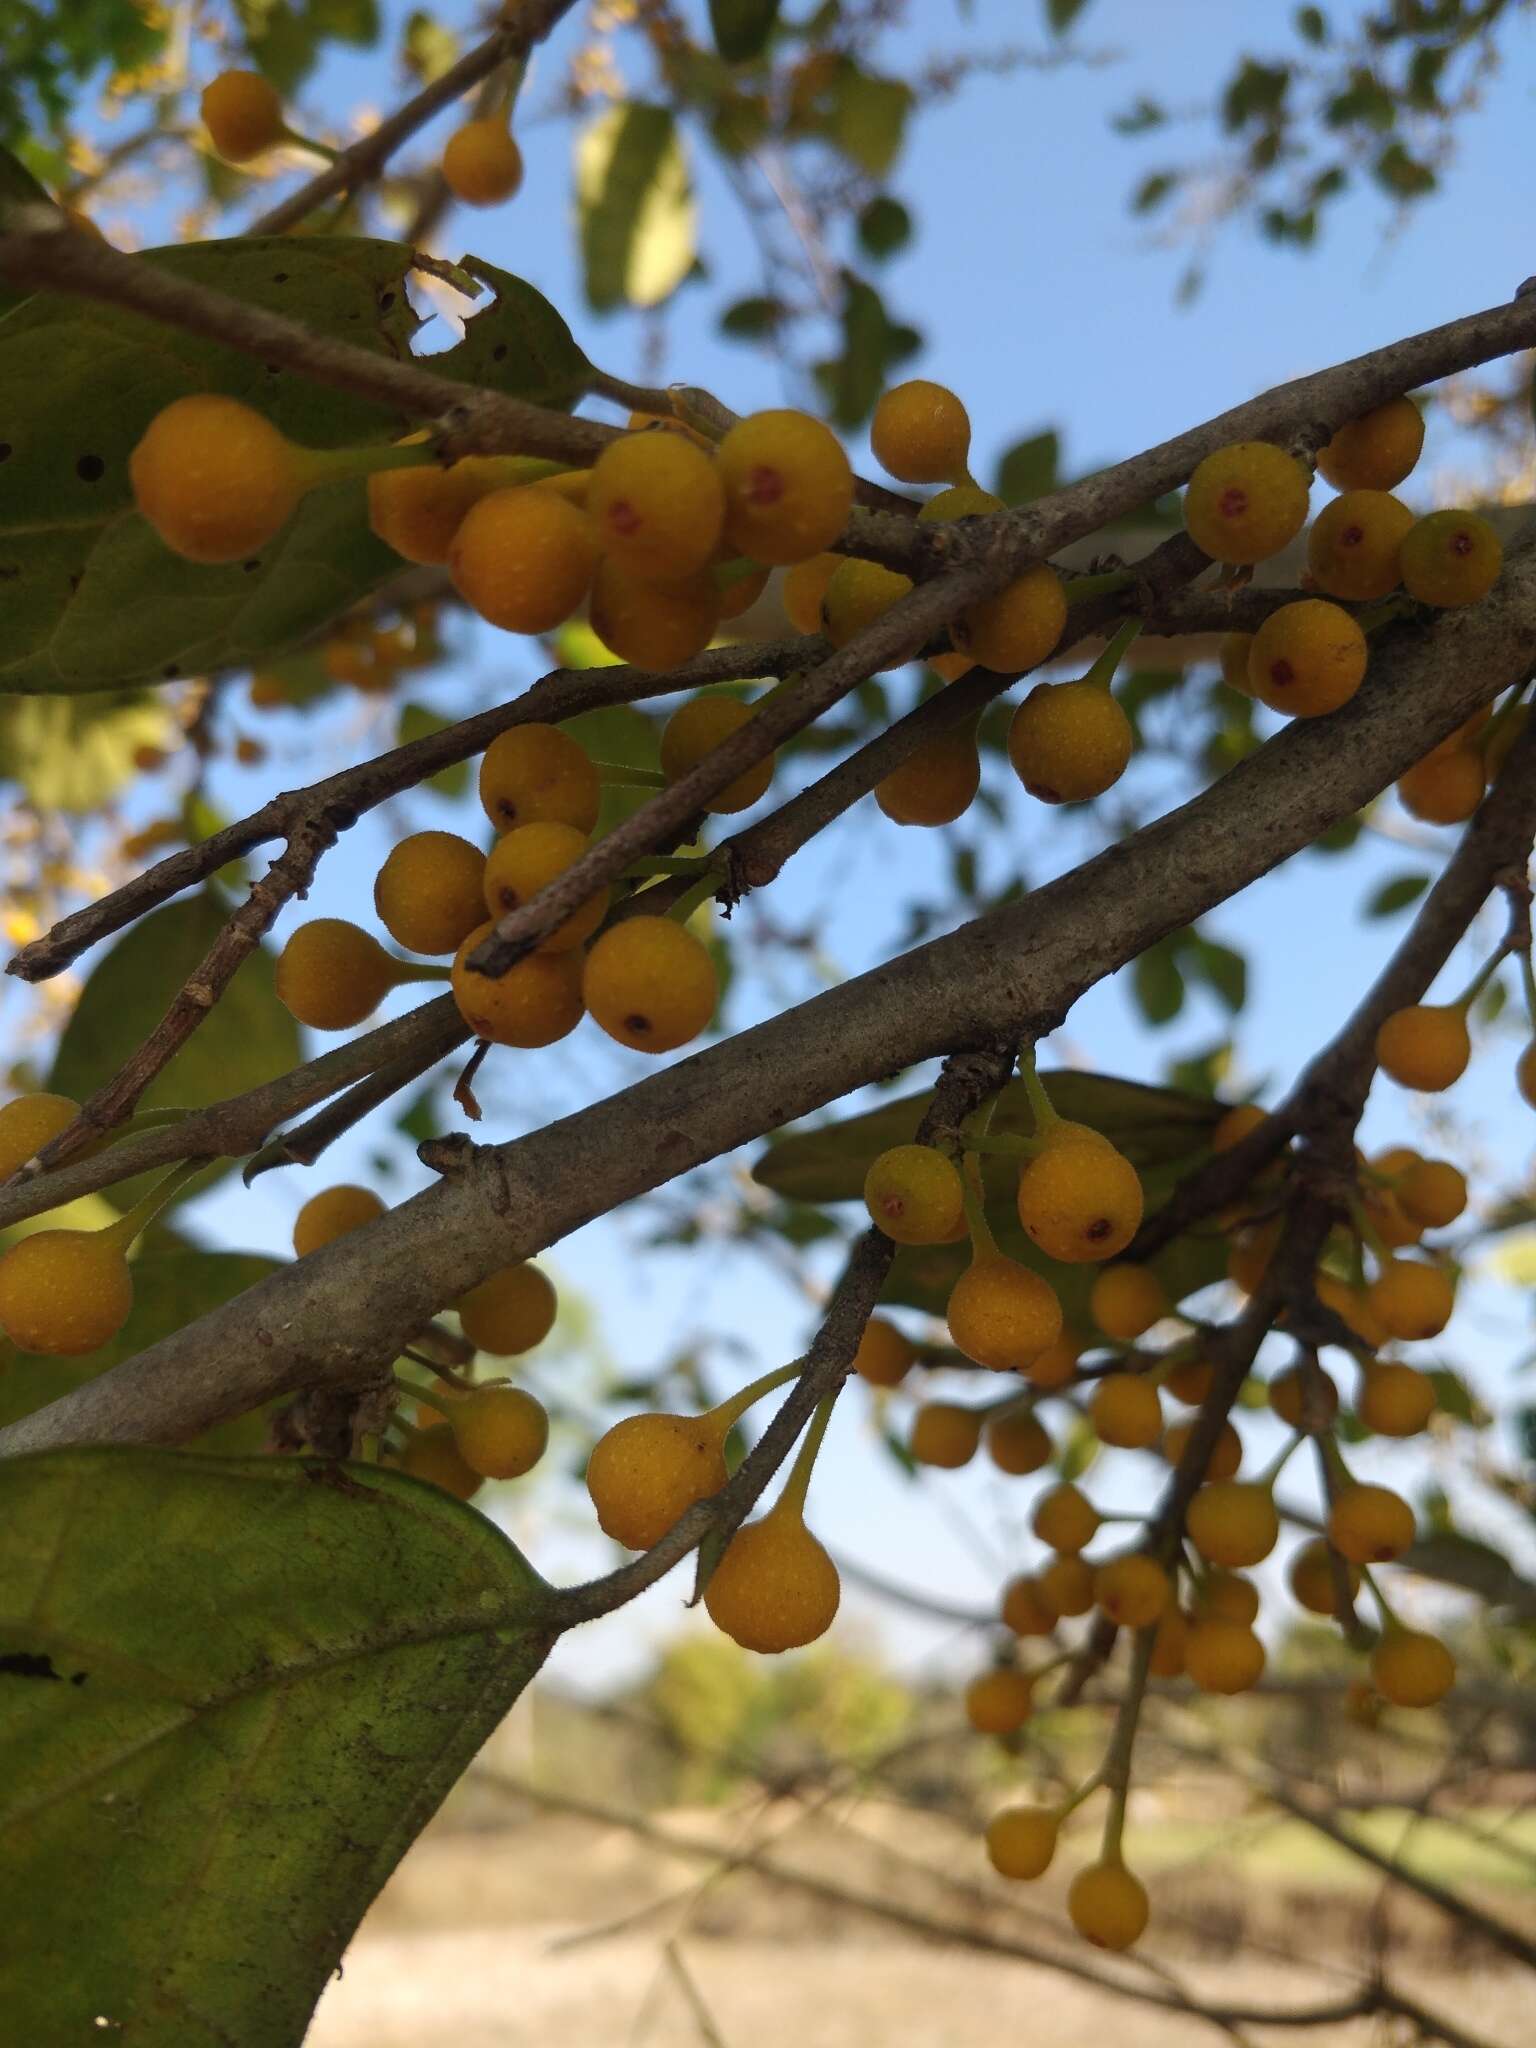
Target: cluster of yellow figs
<point>1248,501</point>
<point>1080,1200</point>
<point>647,980</point>
<point>465,1434</point>
<point>669,536</point>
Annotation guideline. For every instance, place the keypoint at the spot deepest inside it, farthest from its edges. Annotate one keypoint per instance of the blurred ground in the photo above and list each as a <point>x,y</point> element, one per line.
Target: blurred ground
<point>512,1927</point>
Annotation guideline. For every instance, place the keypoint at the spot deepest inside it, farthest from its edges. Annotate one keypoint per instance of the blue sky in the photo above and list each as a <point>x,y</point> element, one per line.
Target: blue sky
<point>1044,304</point>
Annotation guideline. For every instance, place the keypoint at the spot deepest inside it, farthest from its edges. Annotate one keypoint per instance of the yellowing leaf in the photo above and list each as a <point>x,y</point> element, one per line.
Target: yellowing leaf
<point>233,1690</point>
<point>639,223</point>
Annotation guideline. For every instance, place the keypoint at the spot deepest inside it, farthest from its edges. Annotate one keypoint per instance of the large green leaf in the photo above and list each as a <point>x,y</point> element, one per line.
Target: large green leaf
<point>92,598</point>
<point>639,222</point>
<point>170,1290</point>
<point>232,1691</point>
<point>247,1038</point>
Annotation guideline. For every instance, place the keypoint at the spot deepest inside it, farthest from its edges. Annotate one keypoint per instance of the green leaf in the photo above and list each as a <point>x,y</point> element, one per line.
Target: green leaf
<point>869,118</point>
<point>1476,1567</point>
<point>1153,190</point>
<point>1396,894</point>
<point>1077,1450</point>
<point>47,49</point>
<point>751,318</point>
<point>517,343</point>
<point>1492,1002</point>
<point>742,27</point>
<point>428,47</point>
<point>18,187</point>
<point>1060,14</point>
<point>626,737</point>
<point>416,722</point>
<point>1255,90</point>
<point>873,345</point>
<point>1223,970</point>
<point>234,1691</point>
<point>1158,982</point>
<point>248,1037</point>
<point>1401,173</point>
<point>170,1290</point>
<point>639,222</point>
<point>1312,24</point>
<point>75,753</point>
<point>93,599</point>
<point>287,37</point>
<point>1139,118</point>
<point>1030,468</point>
<point>884,226</point>
<point>1455,1398</point>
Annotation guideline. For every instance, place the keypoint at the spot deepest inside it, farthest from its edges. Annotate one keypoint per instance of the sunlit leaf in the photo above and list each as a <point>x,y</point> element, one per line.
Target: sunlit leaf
<point>639,222</point>
<point>76,753</point>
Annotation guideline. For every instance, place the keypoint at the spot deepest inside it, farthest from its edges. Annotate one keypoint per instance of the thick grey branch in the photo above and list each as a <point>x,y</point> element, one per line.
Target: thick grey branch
<point>1012,974</point>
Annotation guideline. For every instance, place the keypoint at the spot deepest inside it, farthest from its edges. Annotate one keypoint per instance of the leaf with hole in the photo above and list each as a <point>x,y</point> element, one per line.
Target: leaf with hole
<point>93,599</point>
<point>232,1691</point>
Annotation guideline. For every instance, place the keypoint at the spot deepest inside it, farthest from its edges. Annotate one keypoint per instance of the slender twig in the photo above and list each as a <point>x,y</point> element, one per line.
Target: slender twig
<point>964,1083</point>
<point>359,164</point>
<point>338,800</point>
<point>1494,847</point>
<point>757,854</point>
<point>1497,1933</point>
<point>310,819</point>
<point>1336,2012</point>
<point>233,1128</point>
<point>39,251</point>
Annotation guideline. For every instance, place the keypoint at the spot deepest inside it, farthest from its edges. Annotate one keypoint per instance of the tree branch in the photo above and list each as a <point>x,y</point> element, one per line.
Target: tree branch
<point>963,1086</point>
<point>1337,1079</point>
<point>41,252</point>
<point>311,819</point>
<point>1012,974</point>
<point>530,22</point>
<point>1334,2012</point>
<point>230,1130</point>
<point>757,854</point>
